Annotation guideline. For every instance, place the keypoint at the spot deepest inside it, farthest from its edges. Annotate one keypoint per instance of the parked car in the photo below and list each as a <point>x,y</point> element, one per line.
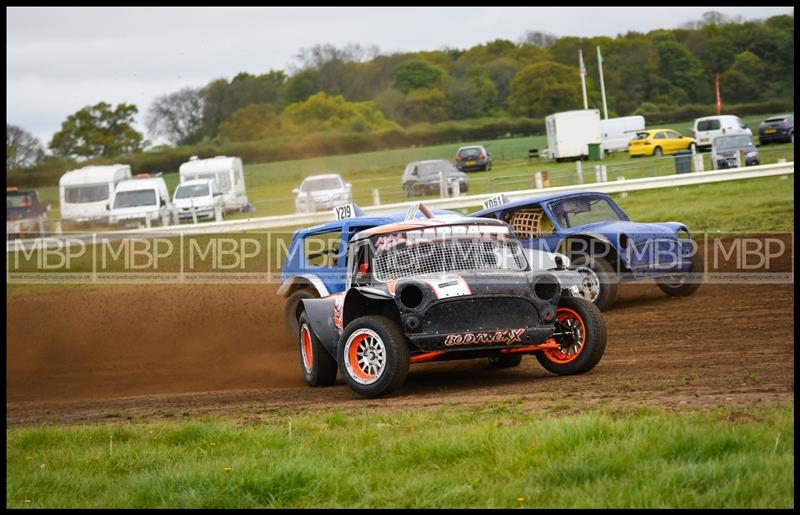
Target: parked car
<point>432,290</point>
<point>474,157</point>
<point>199,199</point>
<point>777,129</point>
<point>725,151</point>
<point>657,142</point>
<point>142,201</point>
<point>422,177</point>
<point>321,192</point>
<point>604,244</point>
<point>25,215</point>
<point>229,174</point>
<point>709,127</point>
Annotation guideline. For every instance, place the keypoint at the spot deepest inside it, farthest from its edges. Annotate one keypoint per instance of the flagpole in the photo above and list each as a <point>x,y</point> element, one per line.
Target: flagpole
<point>583,79</point>
<point>602,84</point>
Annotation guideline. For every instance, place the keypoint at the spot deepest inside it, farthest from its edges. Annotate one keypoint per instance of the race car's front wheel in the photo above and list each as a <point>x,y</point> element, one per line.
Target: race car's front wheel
<point>373,356</point>
<point>599,281</point>
<point>686,284</point>
<point>581,335</point>
<point>319,367</point>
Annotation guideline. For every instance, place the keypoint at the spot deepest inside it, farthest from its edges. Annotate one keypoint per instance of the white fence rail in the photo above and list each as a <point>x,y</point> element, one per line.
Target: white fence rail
<point>466,201</point>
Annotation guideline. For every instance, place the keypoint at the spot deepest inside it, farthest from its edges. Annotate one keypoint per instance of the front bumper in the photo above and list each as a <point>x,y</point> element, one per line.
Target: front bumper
<point>477,323</point>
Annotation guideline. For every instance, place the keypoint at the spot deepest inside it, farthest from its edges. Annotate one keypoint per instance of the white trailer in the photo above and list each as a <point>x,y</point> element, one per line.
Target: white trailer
<point>618,132</point>
<point>84,194</point>
<point>227,171</point>
<point>569,133</point>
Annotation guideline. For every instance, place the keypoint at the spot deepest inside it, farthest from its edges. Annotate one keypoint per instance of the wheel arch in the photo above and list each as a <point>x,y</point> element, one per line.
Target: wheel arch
<point>296,282</point>
<point>358,304</point>
<point>589,239</point>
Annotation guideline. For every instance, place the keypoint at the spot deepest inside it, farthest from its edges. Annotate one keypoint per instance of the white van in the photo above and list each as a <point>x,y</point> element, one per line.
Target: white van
<point>618,132</point>
<point>142,201</point>
<point>227,171</point>
<point>84,194</point>
<point>198,199</point>
<point>707,128</point>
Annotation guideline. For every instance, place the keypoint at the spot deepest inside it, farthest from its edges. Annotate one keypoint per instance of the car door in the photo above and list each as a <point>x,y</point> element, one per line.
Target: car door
<point>660,140</point>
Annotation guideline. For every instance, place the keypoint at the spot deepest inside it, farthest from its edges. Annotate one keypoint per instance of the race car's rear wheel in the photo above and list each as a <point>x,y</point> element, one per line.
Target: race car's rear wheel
<point>581,335</point>
<point>319,367</point>
<point>373,356</point>
<point>505,361</point>
<point>293,308</point>
<point>686,284</point>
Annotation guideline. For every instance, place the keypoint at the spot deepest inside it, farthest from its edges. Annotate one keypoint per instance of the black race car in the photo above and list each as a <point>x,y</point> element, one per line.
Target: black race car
<point>440,289</point>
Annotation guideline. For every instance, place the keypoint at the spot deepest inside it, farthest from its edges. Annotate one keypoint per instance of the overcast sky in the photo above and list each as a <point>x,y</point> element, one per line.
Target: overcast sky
<point>62,59</point>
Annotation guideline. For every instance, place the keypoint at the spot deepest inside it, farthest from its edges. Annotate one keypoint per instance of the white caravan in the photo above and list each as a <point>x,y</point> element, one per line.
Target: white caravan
<point>618,132</point>
<point>227,171</point>
<point>143,201</point>
<point>84,194</point>
<point>569,133</point>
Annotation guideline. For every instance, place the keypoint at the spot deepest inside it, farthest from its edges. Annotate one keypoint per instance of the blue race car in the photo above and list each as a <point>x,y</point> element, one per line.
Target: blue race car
<point>602,243</point>
<point>315,266</point>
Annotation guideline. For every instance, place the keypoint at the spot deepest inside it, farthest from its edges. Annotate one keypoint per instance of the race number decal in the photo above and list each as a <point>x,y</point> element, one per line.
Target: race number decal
<point>497,200</point>
<point>345,211</point>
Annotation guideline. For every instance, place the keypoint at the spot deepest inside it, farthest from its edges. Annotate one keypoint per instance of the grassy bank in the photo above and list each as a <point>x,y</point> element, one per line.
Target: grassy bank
<point>495,456</point>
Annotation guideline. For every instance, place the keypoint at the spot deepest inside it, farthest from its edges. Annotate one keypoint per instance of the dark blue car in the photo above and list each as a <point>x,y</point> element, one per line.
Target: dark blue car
<point>604,244</point>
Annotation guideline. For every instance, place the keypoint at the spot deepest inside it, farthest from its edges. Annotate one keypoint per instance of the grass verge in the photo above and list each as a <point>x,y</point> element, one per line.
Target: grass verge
<point>492,456</point>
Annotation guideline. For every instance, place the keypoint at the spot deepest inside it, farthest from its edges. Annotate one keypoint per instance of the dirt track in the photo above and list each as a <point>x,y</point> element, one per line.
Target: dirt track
<point>167,350</point>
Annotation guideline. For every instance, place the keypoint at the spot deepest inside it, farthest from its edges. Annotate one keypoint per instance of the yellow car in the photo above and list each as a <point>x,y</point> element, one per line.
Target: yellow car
<point>657,142</point>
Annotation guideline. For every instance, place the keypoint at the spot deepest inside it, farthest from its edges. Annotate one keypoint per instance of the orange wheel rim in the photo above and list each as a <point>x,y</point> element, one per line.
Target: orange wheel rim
<point>305,340</point>
<point>572,343</point>
<point>365,356</point>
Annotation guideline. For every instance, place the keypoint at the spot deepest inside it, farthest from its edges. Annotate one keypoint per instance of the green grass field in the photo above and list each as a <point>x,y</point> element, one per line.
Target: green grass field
<point>495,456</point>
<point>269,185</point>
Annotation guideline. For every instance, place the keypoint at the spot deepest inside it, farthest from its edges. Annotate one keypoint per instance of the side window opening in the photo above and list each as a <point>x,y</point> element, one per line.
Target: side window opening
<point>322,250</point>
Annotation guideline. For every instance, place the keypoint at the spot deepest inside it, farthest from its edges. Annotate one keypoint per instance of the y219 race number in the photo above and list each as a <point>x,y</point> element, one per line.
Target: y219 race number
<point>346,211</point>
<point>495,201</point>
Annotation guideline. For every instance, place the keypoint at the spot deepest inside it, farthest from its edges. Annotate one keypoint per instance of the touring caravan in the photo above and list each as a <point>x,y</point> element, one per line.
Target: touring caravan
<point>227,171</point>
<point>84,194</point>
<point>569,133</point>
<point>618,132</point>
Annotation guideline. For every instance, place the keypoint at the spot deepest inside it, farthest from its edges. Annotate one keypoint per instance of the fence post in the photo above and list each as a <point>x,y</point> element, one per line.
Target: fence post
<point>605,173</point>
<point>376,197</point>
<point>698,163</point>
<point>456,189</point>
<point>579,170</point>
<point>539,181</point>
<point>598,174</point>
<point>623,194</point>
<point>442,185</point>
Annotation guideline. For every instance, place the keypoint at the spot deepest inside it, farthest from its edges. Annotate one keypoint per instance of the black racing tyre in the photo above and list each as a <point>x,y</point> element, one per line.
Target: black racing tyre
<point>599,283</point>
<point>658,152</point>
<point>293,308</point>
<point>318,366</point>
<point>581,334</point>
<point>685,285</point>
<point>373,356</point>
<point>505,360</point>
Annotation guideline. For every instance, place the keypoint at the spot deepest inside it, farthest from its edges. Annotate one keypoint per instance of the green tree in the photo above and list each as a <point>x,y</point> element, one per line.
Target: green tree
<point>299,87</point>
<point>177,116</point>
<point>98,131</point>
<point>544,88</point>
<point>681,69</point>
<point>23,149</point>
<point>323,112</point>
<point>417,74</point>
<point>250,123</point>
<point>742,82</point>
<point>426,105</point>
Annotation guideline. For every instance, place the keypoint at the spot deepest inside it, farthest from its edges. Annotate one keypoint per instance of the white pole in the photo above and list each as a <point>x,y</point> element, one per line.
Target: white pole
<point>602,84</point>
<point>583,79</point>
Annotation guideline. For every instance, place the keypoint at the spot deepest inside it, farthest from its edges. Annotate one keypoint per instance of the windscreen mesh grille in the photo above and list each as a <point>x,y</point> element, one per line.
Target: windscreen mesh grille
<point>448,256</point>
